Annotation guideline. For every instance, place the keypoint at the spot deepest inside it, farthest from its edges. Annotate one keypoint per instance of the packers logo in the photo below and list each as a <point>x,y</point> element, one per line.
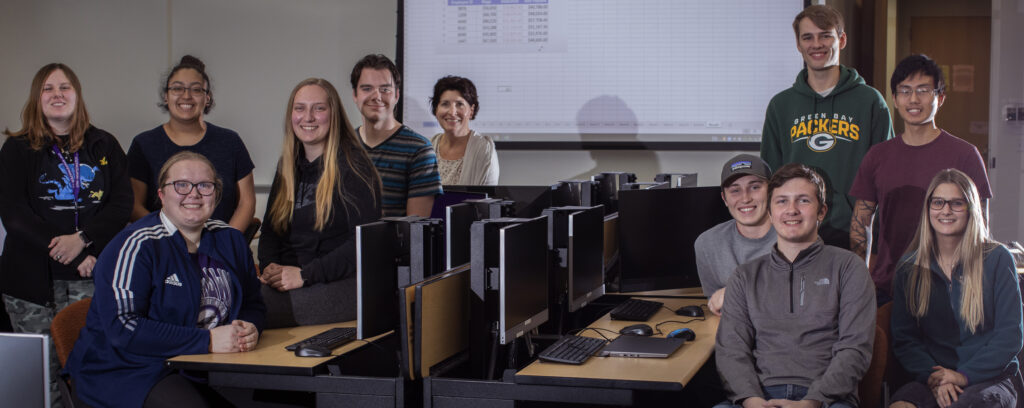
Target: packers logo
<point>821,142</point>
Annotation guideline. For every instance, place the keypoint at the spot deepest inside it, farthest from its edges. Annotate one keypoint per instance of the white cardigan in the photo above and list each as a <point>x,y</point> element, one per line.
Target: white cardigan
<point>480,163</point>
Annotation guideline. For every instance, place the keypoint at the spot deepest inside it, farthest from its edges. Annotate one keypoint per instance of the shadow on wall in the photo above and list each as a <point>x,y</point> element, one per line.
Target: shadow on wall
<point>608,117</point>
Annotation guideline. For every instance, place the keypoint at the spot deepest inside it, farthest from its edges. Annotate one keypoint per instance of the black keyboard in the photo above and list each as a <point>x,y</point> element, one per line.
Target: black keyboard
<point>636,310</point>
<point>572,349</point>
<point>332,338</point>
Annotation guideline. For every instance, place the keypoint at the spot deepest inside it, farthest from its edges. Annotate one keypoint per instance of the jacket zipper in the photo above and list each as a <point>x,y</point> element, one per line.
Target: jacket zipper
<point>791,288</point>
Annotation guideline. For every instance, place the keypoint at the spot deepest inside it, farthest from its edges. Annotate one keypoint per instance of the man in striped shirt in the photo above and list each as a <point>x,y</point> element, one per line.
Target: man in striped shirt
<point>405,159</point>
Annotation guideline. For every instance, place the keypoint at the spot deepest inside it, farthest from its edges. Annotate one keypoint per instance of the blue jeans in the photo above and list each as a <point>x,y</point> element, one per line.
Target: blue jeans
<point>786,391</point>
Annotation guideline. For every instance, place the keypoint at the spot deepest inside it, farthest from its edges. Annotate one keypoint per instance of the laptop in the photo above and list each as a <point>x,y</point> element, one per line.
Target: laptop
<point>638,346</point>
<point>25,379</point>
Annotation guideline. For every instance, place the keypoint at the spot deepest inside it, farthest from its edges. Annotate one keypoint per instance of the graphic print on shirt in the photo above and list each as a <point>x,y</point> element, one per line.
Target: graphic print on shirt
<point>216,297</point>
<point>821,132</point>
<point>62,189</point>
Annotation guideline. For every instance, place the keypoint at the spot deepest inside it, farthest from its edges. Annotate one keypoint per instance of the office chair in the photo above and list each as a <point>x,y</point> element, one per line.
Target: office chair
<point>872,387</point>
<point>64,333</point>
<point>251,230</point>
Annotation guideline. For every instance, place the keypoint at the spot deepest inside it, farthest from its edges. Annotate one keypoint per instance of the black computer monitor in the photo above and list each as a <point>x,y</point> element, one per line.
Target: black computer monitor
<point>522,273</point>
<point>586,257</point>
<point>25,379</point>
<point>657,229</point>
<point>458,220</point>
<point>572,193</point>
<point>607,186</point>
<point>377,250</point>
<point>646,185</point>
<point>452,197</point>
<point>529,201</point>
<point>677,179</point>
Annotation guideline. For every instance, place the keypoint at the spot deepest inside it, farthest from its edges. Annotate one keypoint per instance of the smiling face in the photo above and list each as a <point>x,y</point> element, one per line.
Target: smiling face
<point>796,212</point>
<point>188,212</point>
<point>454,113</point>
<point>376,95</point>
<point>945,221</point>
<point>915,108</point>
<point>747,197</point>
<point>311,116</point>
<point>58,99</point>
<point>819,47</point>
<point>189,105</point>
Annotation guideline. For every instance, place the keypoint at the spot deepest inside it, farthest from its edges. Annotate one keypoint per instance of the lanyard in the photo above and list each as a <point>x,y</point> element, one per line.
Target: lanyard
<point>76,179</point>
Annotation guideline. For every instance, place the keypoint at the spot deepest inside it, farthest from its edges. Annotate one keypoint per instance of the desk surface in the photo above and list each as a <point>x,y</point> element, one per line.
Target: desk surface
<point>665,292</point>
<point>670,373</point>
<point>269,357</point>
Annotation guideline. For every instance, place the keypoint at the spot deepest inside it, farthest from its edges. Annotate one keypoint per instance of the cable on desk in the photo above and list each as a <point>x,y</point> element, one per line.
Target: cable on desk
<point>657,327</point>
<point>596,330</point>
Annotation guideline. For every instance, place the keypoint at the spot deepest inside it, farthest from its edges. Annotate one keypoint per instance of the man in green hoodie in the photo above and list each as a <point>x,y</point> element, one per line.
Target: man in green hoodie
<point>828,119</point>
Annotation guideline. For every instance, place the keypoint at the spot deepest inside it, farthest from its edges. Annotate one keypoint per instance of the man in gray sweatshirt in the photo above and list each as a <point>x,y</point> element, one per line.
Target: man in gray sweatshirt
<point>798,323</point>
<point>748,235</point>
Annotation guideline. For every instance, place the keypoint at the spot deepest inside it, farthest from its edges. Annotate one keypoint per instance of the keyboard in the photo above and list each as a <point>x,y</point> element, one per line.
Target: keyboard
<point>636,310</point>
<point>572,349</point>
<point>332,338</point>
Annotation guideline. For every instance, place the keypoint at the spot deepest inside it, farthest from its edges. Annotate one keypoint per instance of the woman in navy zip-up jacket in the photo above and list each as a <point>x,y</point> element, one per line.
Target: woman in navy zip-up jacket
<point>956,316</point>
<point>174,282</point>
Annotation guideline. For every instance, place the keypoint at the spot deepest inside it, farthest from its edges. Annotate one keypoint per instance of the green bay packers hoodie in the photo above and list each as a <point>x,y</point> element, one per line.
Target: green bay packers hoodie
<point>830,134</point>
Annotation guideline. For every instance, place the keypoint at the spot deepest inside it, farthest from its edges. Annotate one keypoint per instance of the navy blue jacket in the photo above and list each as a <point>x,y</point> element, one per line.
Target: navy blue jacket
<point>941,337</point>
<point>146,307</point>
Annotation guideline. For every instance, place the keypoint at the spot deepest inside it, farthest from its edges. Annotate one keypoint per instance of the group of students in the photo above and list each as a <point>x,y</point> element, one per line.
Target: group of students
<point>788,274</point>
<point>180,278</point>
<point>797,307</point>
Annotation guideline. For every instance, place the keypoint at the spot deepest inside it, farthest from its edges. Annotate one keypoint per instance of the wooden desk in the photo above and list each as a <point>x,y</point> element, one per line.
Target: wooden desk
<point>599,381</point>
<point>664,293</point>
<point>667,374</point>
<point>272,367</point>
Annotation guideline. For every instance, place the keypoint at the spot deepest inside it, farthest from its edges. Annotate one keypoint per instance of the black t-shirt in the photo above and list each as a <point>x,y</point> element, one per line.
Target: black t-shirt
<point>303,237</point>
<point>54,188</point>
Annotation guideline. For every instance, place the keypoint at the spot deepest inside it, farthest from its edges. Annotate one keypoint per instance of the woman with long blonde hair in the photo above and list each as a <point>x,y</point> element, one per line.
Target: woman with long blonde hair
<point>956,314</point>
<point>325,186</point>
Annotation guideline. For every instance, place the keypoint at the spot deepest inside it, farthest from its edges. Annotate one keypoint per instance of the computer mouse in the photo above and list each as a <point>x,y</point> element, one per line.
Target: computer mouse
<point>683,333</point>
<point>637,330</point>
<point>312,350</point>
<point>692,311</point>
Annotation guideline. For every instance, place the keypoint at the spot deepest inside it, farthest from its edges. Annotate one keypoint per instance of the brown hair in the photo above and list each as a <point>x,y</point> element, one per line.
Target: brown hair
<point>34,126</point>
<point>458,84</point>
<point>793,171</point>
<point>825,17</point>
<point>190,155</point>
<point>375,61</point>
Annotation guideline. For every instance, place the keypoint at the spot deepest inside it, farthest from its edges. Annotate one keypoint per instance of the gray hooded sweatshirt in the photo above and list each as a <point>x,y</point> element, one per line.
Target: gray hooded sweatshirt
<point>810,322</point>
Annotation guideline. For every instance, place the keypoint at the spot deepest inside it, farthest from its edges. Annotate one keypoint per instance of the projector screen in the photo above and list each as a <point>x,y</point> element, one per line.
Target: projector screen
<point>602,70</point>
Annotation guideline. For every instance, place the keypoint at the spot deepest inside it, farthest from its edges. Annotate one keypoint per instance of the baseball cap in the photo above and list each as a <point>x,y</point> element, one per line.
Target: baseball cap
<point>742,165</point>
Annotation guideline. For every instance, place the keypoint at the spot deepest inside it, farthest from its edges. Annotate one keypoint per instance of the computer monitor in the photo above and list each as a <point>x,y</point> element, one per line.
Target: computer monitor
<point>529,201</point>
<point>607,186</point>
<point>676,180</point>
<point>25,378</point>
<point>460,218</point>
<point>645,185</point>
<point>522,272</point>
<point>572,193</point>
<point>586,257</point>
<point>657,229</point>
<point>452,197</point>
<point>377,251</point>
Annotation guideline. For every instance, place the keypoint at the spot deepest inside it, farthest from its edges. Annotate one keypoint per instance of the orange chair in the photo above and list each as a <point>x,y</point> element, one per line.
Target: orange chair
<point>64,332</point>
<point>871,388</point>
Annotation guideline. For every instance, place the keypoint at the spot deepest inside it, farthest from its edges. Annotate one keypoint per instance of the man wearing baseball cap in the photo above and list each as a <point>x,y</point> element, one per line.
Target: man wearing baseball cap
<point>748,235</point>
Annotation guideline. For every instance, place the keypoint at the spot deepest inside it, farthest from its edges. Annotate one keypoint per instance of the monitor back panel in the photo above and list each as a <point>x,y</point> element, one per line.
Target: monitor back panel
<point>25,378</point>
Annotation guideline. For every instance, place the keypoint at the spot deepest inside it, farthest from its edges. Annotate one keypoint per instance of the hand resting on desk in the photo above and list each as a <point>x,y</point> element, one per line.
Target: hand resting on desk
<point>240,335</point>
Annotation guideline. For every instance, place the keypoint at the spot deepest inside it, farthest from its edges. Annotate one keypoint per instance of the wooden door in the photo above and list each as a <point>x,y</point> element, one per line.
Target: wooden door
<point>960,45</point>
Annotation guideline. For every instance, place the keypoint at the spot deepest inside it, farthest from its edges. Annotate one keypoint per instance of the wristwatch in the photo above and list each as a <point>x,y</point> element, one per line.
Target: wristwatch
<point>85,238</point>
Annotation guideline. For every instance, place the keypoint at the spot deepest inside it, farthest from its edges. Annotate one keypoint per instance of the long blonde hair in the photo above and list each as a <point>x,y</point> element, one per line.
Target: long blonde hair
<point>340,138</point>
<point>34,126</point>
<point>970,254</point>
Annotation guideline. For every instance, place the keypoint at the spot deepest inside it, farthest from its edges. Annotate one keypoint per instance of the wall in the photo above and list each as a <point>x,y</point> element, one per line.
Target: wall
<point>1006,139</point>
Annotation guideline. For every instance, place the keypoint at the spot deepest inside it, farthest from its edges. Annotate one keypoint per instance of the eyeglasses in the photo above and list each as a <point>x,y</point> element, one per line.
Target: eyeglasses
<point>185,187</point>
<point>923,92</point>
<point>956,204</point>
<point>180,90</point>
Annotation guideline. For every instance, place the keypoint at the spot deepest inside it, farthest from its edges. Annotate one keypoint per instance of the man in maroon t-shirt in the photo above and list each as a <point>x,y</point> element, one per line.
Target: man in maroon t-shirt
<point>894,175</point>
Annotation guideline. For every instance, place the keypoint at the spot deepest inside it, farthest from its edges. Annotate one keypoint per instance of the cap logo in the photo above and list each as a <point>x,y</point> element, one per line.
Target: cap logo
<point>741,165</point>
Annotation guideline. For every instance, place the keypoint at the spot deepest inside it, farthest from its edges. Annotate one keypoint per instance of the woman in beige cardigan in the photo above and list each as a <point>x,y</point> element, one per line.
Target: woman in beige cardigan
<point>464,157</point>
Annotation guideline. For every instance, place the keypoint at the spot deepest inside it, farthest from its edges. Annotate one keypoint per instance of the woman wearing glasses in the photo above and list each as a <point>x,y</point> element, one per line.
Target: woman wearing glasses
<point>63,195</point>
<point>956,314</point>
<point>464,156</point>
<point>174,282</point>
<point>186,96</point>
<point>325,186</point>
